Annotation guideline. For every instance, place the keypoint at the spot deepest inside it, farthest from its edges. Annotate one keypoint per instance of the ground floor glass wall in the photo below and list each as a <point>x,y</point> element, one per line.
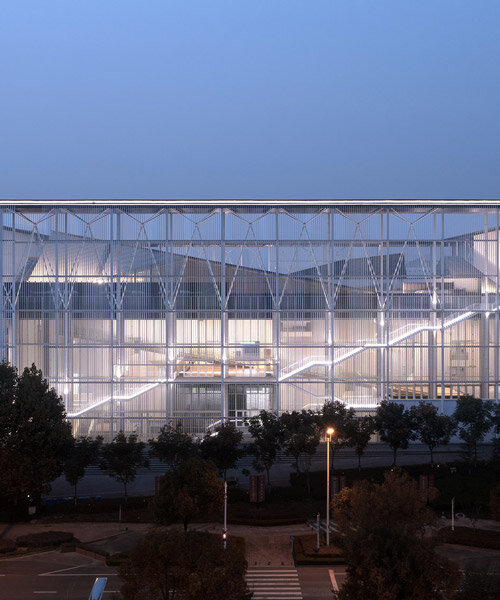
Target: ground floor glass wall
<point>142,314</point>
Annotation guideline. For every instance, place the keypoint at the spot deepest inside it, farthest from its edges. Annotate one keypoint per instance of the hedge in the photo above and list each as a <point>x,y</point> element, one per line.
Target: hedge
<point>467,536</point>
<point>7,545</point>
<point>44,538</point>
<point>304,554</point>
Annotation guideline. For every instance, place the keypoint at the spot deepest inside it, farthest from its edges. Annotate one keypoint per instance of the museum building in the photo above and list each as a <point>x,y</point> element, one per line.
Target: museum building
<point>141,312</point>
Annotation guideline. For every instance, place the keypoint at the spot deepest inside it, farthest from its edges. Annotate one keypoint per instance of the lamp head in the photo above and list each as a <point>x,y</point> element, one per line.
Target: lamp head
<point>330,431</point>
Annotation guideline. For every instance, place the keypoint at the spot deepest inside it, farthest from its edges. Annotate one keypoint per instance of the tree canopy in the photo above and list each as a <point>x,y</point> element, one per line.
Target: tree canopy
<point>223,447</point>
<point>389,556</point>
<point>474,418</point>
<point>267,435</point>
<point>394,425</point>
<point>172,565</point>
<point>123,457</point>
<point>337,415</point>
<point>172,446</point>
<point>34,435</point>
<point>431,428</point>
<point>301,436</point>
<point>360,431</point>
<point>188,492</point>
<point>83,452</point>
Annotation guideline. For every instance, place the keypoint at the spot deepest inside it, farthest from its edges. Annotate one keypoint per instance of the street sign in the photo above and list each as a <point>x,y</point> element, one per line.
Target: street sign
<point>98,588</point>
<point>257,488</point>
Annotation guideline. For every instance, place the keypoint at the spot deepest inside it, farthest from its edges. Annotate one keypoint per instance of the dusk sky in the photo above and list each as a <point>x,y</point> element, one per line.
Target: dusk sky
<point>249,99</point>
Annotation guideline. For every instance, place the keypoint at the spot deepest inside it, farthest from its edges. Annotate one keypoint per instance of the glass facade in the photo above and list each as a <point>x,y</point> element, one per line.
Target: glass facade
<point>138,313</point>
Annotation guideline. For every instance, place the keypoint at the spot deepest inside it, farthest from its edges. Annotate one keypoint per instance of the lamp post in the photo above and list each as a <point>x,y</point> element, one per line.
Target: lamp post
<point>329,432</point>
<point>224,531</point>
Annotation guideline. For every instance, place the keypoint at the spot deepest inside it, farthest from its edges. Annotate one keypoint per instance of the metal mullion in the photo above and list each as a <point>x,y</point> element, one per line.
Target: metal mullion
<point>223,314</point>
<point>111,320</point>
<point>277,318</point>
<point>441,408</point>
<point>497,302</point>
<point>3,353</point>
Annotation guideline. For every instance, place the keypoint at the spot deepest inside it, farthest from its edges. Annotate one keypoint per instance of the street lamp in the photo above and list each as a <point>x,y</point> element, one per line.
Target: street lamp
<point>329,432</point>
<point>224,531</point>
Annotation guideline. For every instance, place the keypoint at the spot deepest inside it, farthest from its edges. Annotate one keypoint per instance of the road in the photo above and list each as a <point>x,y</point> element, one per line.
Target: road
<point>317,583</point>
<point>53,575</point>
<point>71,576</point>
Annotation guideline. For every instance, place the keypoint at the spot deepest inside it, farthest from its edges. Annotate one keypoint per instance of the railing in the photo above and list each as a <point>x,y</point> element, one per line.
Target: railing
<point>309,362</point>
<point>397,336</point>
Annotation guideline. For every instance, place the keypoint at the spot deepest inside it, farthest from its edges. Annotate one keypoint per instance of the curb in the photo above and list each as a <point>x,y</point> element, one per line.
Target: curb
<point>90,553</point>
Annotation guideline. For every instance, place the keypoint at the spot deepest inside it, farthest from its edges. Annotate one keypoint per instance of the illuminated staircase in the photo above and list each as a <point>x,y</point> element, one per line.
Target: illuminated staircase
<point>397,336</point>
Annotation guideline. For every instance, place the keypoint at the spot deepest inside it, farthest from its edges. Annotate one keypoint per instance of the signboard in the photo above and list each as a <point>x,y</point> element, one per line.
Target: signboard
<point>257,488</point>
<point>98,588</point>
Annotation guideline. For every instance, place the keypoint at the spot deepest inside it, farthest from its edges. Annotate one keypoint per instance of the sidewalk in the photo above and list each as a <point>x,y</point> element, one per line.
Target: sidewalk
<point>265,546</point>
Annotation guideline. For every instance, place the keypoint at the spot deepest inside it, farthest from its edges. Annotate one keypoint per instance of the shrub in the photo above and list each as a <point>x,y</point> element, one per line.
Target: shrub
<point>7,545</point>
<point>44,538</point>
<point>466,536</point>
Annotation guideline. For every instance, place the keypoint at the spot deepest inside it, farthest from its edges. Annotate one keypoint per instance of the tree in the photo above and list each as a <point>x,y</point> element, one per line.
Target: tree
<point>267,433</point>
<point>383,529</point>
<point>360,431</point>
<point>190,491</point>
<point>172,445</point>
<point>34,435</point>
<point>474,418</point>
<point>122,457</point>
<point>336,414</point>
<point>171,565</point>
<point>222,447</point>
<point>394,425</point>
<point>431,428</point>
<point>301,436</point>
<point>84,451</point>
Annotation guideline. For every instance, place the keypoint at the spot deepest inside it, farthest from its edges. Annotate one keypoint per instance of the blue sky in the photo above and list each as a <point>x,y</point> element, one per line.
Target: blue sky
<point>249,99</point>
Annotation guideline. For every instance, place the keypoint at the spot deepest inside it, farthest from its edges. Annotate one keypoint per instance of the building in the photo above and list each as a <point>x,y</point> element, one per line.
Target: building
<point>139,312</point>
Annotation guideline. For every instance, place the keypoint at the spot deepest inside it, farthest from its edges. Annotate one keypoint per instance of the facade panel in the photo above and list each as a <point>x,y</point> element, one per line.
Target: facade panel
<point>142,313</point>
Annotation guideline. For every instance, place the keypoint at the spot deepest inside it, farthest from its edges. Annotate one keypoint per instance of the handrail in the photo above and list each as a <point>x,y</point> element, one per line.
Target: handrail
<point>313,361</point>
<point>470,311</point>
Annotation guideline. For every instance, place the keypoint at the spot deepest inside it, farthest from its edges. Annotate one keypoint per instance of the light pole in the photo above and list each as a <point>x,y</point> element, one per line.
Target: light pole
<point>224,531</point>
<point>329,432</point>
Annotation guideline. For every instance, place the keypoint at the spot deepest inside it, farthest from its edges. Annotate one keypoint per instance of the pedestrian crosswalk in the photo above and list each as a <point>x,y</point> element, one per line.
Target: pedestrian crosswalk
<point>274,584</point>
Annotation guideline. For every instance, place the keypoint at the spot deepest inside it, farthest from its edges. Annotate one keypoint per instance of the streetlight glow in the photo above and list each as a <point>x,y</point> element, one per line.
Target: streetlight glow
<point>329,432</point>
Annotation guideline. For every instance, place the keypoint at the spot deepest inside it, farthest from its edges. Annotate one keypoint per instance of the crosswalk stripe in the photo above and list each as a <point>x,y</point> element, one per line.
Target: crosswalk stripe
<point>274,584</point>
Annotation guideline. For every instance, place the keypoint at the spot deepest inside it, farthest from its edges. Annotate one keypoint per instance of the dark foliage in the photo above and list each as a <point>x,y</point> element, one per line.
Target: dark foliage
<point>34,436</point>
<point>382,528</point>
<point>395,426</point>
<point>189,492</point>
<point>123,457</point>
<point>173,565</point>
<point>44,538</point>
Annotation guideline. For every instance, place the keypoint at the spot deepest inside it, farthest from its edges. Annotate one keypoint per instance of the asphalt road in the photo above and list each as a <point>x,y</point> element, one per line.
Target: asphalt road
<point>70,576</point>
<point>317,583</point>
<point>54,575</point>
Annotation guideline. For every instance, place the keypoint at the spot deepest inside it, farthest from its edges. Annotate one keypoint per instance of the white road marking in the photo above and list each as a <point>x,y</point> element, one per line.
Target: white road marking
<point>335,585</point>
<point>274,584</point>
<point>65,569</point>
<point>79,575</point>
<point>30,555</point>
